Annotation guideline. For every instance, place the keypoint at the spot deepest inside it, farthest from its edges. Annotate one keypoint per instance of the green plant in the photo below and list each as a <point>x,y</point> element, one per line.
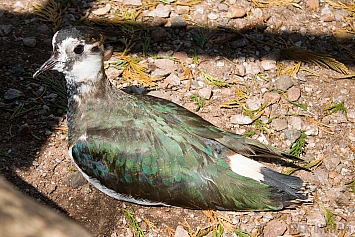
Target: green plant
<point>129,214</point>
<point>298,146</point>
<point>335,108</point>
<point>199,100</point>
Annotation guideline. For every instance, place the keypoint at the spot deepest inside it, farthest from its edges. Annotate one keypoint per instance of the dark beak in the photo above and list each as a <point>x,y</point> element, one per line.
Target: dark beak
<point>49,64</point>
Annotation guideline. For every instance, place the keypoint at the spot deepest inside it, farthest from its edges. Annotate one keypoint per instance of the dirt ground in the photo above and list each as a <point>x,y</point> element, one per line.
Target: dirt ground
<point>236,50</point>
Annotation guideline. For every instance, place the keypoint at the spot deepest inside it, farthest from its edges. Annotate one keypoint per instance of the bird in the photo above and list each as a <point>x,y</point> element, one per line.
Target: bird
<point>150,151</point>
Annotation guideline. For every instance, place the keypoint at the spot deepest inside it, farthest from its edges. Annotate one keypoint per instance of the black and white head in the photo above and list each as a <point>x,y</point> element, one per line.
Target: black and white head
<point>78,53</point>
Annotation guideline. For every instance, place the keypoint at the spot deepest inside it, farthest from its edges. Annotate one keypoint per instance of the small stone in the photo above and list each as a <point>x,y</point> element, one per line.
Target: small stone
<point>223,7</point>
<point>24,129</point>
<point>161,11</point>
<point>253,103</point>
<point>178,22</point>
<point>132,2</point>
<point>240,119</point>
<point>43,28</point>
<point>275,228</point>
<point>5,29</point>
<point>252,68</point>
<point>271,97</point>
<point>159,73</point>
<point>316,218</point>
<point>181,232</point>
<point>292,134</point>
<point>268,65</point>
<point>213,16</point>
<point>182,10</point>
<point>256,13</point>
<point>18,70</point>
<point>338,197</point>
<point>159,21</point>
<point>295,122</point>
<point>279,124</point>
<point>240,70</point>
<point>205,92</point>
<point>332,174</point>
<point>283,82</point>
<point>159,34</point>
<point>340,15</point>
<point>313,4</point>
<point>112,73</point>
<point>102,11</point>
<point>29,42</point>
<point>326,18</point>
<point>18,4</point>
<point>240,43</point>
<point>173,79</point>
<point>165,64</point>
<point>294,93</point>
<point>76,180</point>
<point>235,12</point>
<point>11,94</point>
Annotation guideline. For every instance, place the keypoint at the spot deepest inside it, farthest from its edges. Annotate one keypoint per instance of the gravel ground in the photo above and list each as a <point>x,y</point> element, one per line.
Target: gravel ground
<point>202,55</point>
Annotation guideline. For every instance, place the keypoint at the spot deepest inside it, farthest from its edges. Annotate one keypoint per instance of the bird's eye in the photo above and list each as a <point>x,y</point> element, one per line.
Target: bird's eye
<point>79,49</point>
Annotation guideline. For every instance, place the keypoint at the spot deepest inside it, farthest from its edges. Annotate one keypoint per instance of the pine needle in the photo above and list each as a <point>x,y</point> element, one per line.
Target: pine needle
<point>52,12</point>
<point>306,56</point>
<point>133,222</point>
<point>238,102</point>
<point>308,166</point>
<point>211,80</point>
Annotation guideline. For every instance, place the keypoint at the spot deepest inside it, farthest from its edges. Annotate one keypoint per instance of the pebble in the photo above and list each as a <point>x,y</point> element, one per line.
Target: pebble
<point>283,82</point>
<point>11,94</point>
<point>253,103</point>
<point>294,93</point>
<point>43,28</point>
<point>76,180</point>
<point>18,70</point>
<point>222,7</point>
<point>313,4</point>
<point>159,34</point>
<point>295,122</point>
<point>274,228</point>
<point>235,12</point>
<point>161,11</point>
<point>252,68</point>
<point>268,65</point>
<point>165,64</point>
<point>102,11</point>
<point>173,79</point>
<point>271,97</point>
<point>213,16</point>
<point>316,218</point>
<point>181,232</point>
<point>25,129</point>
<point>29,42</point>
<point>159,73</point>
<point>5,29</point>
<point>292,135</point>
<point>178,22</point>
<point>132,2</point>
<point>182,10</point>
<point>279,124</point>
<point>205,92</point>
<point>240,43</point>
<point>240,119</point>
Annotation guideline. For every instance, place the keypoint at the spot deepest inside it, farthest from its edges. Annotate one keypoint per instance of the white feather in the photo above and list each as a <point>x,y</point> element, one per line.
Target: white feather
<point>246,167</point>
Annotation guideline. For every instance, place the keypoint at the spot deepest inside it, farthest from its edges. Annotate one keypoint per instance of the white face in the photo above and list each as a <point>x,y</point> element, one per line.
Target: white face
<point>79,60</point>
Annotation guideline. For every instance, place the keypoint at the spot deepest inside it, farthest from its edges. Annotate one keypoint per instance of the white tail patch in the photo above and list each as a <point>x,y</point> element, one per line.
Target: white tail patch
<point>246,167</point>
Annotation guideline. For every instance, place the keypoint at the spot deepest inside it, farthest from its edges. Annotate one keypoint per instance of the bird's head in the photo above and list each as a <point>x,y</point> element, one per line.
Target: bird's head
<point>77,52</point>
